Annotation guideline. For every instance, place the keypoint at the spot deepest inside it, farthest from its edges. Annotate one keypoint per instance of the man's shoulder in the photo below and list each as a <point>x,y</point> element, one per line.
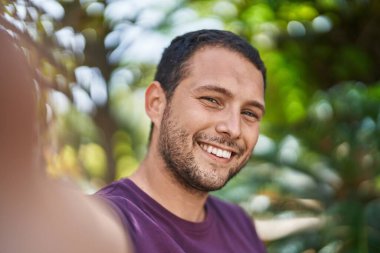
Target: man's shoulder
<point>116,188</point>
<point>120,194</point>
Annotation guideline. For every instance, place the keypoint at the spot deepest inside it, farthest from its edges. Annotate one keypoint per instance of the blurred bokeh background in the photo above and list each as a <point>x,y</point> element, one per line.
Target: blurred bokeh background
<point>314,178</point>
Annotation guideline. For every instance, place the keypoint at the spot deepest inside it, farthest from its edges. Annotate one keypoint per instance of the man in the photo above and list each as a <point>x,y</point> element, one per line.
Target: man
<point>205,105</point>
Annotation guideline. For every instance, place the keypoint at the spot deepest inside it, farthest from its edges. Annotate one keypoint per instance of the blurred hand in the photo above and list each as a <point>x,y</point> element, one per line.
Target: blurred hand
<point>36,214</point>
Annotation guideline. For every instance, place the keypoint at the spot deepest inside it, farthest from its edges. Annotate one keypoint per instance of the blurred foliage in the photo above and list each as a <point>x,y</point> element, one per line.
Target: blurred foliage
<point>319,154</point>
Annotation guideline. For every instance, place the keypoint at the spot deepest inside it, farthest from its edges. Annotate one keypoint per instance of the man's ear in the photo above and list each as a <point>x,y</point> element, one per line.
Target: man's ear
<point>155,102</point>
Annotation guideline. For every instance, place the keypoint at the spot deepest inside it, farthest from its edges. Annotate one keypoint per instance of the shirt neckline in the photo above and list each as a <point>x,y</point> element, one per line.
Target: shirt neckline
<point>160,212</point>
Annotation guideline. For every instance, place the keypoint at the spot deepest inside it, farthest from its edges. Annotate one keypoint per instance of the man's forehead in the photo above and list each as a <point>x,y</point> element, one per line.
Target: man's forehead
<point>221,67</point>
<point>201,55</point>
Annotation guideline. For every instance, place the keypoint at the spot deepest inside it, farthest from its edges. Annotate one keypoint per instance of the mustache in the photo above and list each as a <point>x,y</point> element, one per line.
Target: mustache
<point>222,141</point>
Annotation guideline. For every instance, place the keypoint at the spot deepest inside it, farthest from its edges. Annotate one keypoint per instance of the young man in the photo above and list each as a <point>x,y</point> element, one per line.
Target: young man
<point>205,105</point>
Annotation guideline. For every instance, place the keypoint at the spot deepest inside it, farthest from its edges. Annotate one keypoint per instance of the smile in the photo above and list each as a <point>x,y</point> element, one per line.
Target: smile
<point>216,151</point>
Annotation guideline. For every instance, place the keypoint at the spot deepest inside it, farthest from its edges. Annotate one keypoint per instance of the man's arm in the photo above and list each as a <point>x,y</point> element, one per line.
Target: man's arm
<point>36,214</point>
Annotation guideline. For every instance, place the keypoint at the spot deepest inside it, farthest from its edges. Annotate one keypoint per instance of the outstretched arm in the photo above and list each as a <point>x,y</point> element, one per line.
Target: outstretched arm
<point>36,214</point>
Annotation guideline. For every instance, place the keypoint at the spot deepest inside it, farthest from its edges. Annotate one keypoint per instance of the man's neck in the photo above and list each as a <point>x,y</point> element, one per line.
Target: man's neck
<point>156,180</point>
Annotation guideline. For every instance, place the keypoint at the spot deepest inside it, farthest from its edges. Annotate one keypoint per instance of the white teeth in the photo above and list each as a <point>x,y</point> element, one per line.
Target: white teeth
<point>216,151</point>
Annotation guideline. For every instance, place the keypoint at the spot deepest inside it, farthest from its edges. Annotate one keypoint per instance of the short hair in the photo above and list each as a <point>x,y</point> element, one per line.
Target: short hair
<point>173,67</point>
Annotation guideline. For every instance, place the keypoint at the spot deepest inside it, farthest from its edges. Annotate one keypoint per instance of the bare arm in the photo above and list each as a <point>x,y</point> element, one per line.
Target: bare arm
<point>36,214</point>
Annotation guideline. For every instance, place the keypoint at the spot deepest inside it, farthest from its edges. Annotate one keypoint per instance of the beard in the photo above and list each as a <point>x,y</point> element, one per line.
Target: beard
<point>178,155</point>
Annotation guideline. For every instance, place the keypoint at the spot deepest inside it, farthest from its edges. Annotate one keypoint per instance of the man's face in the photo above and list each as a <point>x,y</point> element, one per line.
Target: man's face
<point>211,124</point>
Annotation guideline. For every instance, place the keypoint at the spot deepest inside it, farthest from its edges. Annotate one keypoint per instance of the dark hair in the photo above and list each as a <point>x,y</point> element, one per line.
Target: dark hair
<point>172,68</point>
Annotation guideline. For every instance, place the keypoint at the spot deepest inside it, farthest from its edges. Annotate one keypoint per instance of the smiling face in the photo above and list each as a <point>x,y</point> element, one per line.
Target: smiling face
<point>211,123</point>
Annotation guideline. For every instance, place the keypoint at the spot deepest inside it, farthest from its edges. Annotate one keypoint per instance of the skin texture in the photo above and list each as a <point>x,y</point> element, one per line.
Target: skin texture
<point>220,103</point>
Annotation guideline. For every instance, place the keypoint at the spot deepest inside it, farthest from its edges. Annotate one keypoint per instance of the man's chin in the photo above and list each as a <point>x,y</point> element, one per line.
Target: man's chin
<point>209,186</point>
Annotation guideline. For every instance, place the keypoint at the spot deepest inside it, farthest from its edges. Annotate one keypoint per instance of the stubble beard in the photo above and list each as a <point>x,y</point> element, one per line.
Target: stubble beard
<point>181,163</point>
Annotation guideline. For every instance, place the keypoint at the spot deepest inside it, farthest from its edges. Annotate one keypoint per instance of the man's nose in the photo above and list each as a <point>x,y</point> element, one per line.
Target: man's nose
<point>230,125</point>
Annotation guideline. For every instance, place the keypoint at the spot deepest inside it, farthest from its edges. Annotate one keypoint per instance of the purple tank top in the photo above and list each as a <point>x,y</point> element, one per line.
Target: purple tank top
<point>153,228</point>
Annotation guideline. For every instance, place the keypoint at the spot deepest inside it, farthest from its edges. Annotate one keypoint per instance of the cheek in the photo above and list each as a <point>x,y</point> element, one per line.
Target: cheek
<point>194,117</point>
<point>252,136</point>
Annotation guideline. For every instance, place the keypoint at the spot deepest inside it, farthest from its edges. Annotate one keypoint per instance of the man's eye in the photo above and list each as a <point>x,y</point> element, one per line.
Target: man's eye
<point>251,115</point>
<point>210,100</point>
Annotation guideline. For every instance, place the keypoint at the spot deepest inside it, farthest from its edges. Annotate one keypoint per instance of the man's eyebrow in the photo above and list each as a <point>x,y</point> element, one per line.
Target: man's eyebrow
<point>229,94</point>
<point>215,88</point>
<point>257,104</point>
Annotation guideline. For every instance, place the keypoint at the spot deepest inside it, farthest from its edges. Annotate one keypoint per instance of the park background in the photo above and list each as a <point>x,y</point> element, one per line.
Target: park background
<point>315,173</point>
